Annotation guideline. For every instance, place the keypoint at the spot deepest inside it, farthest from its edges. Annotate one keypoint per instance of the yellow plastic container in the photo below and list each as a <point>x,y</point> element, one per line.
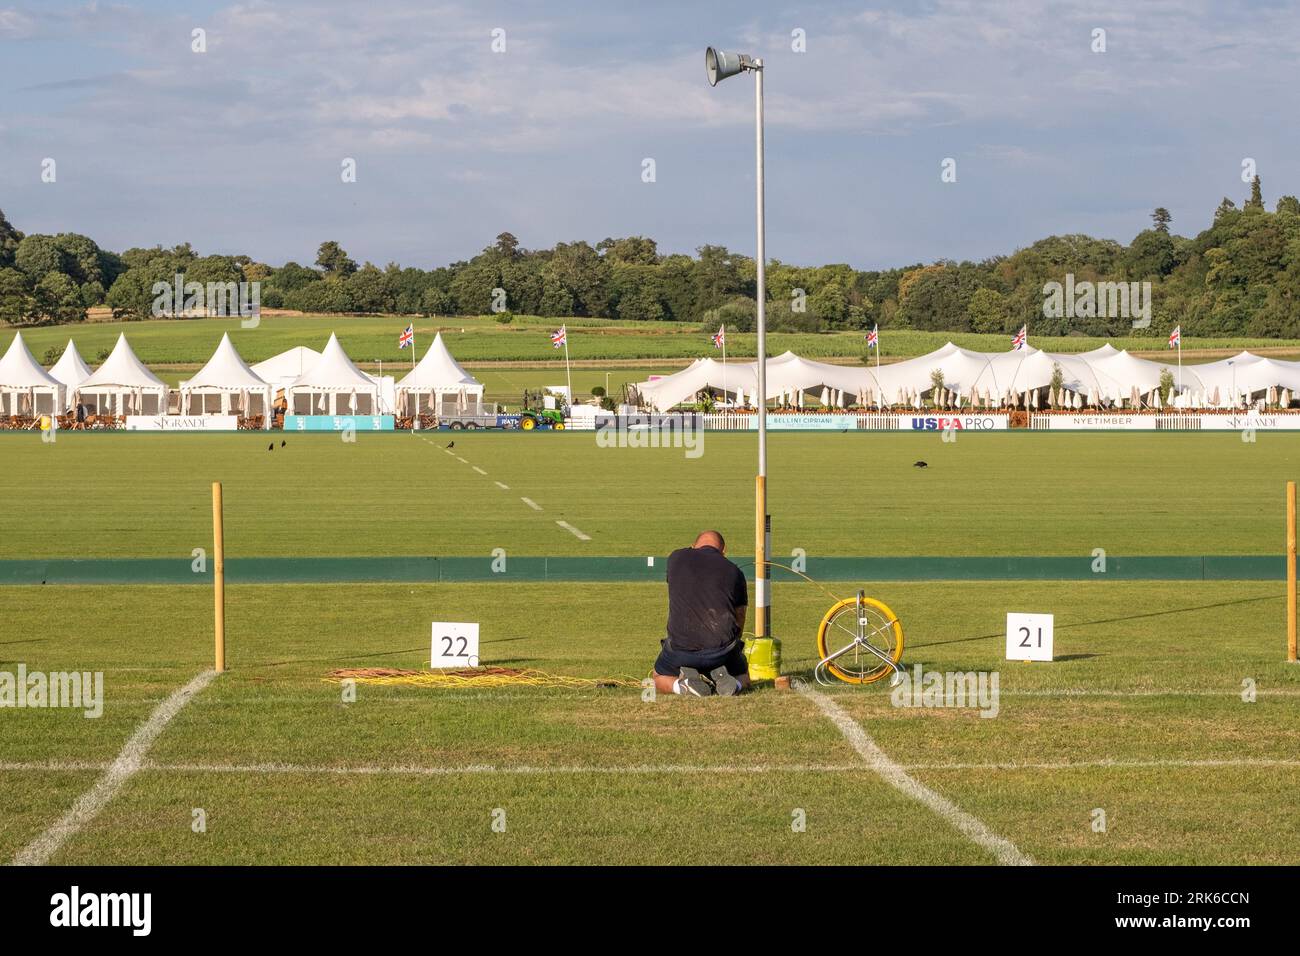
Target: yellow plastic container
<point>764,656</point>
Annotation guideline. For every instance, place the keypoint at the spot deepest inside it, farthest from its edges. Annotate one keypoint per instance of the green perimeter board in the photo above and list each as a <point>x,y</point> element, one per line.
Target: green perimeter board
<point>1235,567</point>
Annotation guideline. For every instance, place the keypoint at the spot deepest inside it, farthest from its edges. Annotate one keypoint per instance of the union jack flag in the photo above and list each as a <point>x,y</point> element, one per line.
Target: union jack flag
<point>559,339</point>
<point>1176,336</point>
<point>407,337</point>
<point>720,337</point>
<point>873,337</point>
<point>1018,340</point>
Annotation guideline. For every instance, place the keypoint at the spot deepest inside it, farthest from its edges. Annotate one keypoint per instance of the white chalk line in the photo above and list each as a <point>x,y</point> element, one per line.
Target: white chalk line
<point>1003,850</point>
<point>531,503</point>
<point>479,470</point>
<point>128,763</point>
<point>461,460</point>
<point>574,531</point>
<point>68,766</point>
<point>502,485</point>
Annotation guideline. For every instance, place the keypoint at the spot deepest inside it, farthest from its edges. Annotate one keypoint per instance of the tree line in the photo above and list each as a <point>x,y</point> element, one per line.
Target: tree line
<point>1240,276</point>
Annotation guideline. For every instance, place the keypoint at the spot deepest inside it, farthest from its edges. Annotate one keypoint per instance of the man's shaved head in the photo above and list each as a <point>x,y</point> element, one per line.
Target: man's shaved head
<point>711,539</point>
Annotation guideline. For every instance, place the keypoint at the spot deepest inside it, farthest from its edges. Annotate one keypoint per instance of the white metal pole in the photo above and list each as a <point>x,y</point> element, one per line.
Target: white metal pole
<point>568,379</point>
<point>761,598</point>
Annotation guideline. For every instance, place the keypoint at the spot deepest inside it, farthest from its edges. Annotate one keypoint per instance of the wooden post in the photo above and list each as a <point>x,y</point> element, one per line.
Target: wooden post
<point>219,576</point>
<point>1290,573</point>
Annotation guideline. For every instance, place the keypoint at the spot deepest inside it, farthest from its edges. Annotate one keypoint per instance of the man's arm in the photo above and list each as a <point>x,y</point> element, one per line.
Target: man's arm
<point>740,619</point>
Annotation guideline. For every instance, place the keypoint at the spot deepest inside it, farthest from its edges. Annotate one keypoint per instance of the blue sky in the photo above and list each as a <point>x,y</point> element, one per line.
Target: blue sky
<point>239,149</point>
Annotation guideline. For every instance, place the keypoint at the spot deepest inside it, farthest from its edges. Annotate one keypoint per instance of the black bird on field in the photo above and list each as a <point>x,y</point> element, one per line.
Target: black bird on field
<point>451,444</point>
<point>271,447</point>
<point>920,464</point>
<point>283,443</point>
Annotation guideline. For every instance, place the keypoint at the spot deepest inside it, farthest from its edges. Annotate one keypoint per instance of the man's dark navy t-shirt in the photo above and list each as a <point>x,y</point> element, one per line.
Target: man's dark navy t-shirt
<point>704,590</point>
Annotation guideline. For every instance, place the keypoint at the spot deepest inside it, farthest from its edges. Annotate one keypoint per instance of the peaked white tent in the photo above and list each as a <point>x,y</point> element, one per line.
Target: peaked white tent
<point>71,371</point>
<point>29,388</point>
<point>124,386</point>
<point>438,378</point>
<point>281,370</point>
<point>226,385</point>
<point>318,390</point>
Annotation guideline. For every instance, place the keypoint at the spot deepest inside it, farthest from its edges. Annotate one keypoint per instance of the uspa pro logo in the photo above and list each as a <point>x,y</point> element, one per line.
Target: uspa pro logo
<point>943,423</point>
<point>75,908</point>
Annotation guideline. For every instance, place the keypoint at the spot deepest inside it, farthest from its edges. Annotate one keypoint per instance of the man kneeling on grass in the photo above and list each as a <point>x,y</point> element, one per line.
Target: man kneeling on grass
<point>703,653</point>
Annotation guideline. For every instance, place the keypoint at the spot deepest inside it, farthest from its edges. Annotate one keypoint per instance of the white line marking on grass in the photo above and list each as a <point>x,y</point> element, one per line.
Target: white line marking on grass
<point>127,764</point>
<point>61,766</point>
<point>1006,852</point>
<point>479,470</point>
<point>461,460</point>
<point>1106,762</point>
<point>517,770</point>
<point>502,486</point>
<point>531,503</point>
<point>575,532</point>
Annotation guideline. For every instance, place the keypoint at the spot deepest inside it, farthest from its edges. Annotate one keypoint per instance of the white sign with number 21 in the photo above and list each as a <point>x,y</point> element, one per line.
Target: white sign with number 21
<point>1029,637</point>
<point>454,645</point>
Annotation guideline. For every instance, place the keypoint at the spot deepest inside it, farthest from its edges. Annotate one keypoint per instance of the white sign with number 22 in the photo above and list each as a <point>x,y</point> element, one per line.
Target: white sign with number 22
<point>454,645</point>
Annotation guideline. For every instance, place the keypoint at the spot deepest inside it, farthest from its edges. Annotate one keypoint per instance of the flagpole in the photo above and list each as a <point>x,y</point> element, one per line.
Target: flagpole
<point>878,385</point>
<point>724,363</point>
<point>567,376</point>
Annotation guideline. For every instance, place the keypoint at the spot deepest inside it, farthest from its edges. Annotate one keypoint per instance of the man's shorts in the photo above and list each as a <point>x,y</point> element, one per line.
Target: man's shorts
<point>671,661</point>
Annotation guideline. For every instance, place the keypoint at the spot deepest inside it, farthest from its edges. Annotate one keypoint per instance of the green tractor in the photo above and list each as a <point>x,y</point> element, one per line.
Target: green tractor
<point>540,410</point>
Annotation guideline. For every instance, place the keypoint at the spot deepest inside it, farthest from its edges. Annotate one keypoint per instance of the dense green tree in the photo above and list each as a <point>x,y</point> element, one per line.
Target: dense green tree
<point>9,239</point>
<point>16,300</point>
<point>333,260</point>
<point>38,256</point>
<point>986,311</point>
<point>58,299</point>
<point>1256,200</point>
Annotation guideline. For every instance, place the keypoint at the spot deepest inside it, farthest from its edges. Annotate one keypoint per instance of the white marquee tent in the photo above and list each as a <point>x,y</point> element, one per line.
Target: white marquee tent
<point>1022,377</point>
<point>333,377</point>
<point>29,388</point>
<point>281,370</point>
<point>226,386</point>
<point>1252,376</point>
<point>439,380</point>
<point>71,371</point>
<point>124,386</point>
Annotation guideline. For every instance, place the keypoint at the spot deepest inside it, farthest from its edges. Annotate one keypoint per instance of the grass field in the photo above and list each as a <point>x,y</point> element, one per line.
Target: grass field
<point>527,338</point>
<point>1141,715</point>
